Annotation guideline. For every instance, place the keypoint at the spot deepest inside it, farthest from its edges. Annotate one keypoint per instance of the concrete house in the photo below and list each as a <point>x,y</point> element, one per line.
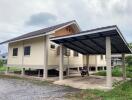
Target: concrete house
<point>28,50</point>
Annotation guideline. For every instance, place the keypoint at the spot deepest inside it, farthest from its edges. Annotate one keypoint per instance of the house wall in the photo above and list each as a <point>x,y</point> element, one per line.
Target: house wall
<point>36,53</point>
<point>101,62</point>
<point>92,60</point>
<point>15,59</point>
<point>75,61</point>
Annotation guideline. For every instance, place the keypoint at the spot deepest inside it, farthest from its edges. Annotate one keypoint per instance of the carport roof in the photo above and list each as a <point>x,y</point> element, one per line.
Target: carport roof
<point>93,41</point>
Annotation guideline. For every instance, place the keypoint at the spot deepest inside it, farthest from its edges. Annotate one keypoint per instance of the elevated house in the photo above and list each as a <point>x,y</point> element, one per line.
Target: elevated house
<point>44,49</point>
<point>27,51</point>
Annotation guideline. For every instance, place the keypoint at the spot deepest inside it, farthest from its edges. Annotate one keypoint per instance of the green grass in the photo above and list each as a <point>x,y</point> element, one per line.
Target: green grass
<point>117,72</point>
<point>121,92</point>
<point>3,68</point>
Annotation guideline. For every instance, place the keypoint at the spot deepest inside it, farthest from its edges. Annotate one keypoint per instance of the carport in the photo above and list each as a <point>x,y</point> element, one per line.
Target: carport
<point>106,40</point>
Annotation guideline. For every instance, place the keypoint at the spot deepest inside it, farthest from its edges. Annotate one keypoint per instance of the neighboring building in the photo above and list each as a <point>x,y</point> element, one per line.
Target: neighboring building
<point>116,60</point>
<point>27,51</point>
<point>4,57</point>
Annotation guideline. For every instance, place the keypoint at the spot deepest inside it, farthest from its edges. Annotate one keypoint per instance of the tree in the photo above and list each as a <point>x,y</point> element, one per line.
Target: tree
<point>1,63</point>
<point>130,45</point>
<point>129,60</point>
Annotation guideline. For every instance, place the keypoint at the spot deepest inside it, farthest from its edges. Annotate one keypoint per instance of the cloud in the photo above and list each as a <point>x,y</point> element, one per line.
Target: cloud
<point>21,16</point>
<point>42,18</point>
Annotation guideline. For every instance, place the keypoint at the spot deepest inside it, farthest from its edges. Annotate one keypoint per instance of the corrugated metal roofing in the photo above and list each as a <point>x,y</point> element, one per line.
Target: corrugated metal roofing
<point>39,32</point>
<point>93,41</point>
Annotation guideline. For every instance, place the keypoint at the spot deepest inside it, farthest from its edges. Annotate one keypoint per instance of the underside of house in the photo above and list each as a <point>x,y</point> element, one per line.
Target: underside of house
<point>65,47</point>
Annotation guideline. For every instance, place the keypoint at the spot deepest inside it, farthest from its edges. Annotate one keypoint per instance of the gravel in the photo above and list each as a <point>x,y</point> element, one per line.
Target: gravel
<point>15,89</point>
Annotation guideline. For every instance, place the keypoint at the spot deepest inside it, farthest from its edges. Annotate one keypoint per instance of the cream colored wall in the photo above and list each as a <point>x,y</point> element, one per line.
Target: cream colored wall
<point>75,61</point>
<point>15,59</point>
<point>36,53</point>
<point>101,62</point>
<point>92,60</point>
<point>53,59</point>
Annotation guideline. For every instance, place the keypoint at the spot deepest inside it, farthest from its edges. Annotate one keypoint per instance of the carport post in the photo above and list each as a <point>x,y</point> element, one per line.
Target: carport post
<point>7,70</point>
<point>108,62</point>
<point>46,42</point>
<point>123,67</point>
<point>87,63</point>
<point>23,72</point>
<point>61,63</point>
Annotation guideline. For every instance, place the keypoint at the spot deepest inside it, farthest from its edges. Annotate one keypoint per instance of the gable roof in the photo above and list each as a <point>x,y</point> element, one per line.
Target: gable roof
<point>41,32</point>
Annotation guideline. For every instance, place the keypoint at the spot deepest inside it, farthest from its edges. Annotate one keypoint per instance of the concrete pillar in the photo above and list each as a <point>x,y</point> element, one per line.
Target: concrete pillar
<point>87,63</point>
<point>61,63</point>
<point>7,70</point>
<point>46,42</point>
<point>78,69</point>
<point>68,71</point>
<point>123,67</point>
<point>23,72</point>
<point>96,68</point>
<point>38,72</point>
<point>108,63</point>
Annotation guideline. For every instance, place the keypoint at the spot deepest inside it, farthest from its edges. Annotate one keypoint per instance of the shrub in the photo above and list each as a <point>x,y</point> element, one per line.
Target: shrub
<point>129,60</point>
<point>1,63</point>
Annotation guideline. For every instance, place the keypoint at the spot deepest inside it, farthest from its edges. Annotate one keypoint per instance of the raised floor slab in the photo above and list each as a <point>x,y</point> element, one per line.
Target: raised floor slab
<point>87,82</point>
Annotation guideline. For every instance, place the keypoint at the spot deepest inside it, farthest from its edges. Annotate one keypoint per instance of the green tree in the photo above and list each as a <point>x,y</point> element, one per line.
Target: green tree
<point>1,63</point>
<point>129,60</point>
<point>130,45</point>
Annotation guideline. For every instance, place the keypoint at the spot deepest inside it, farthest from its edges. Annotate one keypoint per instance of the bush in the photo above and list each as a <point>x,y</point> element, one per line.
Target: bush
<point>129,60</point>
<point>1,63</point>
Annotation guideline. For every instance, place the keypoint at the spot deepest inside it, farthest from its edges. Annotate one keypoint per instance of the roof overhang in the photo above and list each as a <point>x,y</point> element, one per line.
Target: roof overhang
<point>93,41</point>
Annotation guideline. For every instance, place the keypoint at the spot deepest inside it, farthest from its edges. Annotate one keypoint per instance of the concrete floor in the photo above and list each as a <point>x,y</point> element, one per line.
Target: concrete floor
<point>87,82</point>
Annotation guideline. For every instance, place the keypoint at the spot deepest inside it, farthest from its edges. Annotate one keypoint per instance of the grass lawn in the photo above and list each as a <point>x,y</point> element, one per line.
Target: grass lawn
<point>121,92</point>
<point>3,68</point>
<point>117,72</point>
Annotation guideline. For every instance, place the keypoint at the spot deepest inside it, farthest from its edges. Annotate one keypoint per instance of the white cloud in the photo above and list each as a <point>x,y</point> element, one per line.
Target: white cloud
<point>88,13</point>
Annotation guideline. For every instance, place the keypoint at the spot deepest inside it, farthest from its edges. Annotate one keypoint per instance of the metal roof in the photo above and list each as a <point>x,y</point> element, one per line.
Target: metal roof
<point>40,32</point>
<point>93,41</point>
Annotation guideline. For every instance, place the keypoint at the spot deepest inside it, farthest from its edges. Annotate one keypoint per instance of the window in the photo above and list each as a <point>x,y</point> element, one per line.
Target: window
<point>65,50</point>
<point>52,46</point>
<point>101,56</point>
<point>27,50</point>
<point>15,51</point>
<point>75,54</point>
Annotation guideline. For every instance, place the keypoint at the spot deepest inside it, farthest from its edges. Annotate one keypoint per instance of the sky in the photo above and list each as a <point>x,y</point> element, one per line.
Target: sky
<point>18,17</point>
